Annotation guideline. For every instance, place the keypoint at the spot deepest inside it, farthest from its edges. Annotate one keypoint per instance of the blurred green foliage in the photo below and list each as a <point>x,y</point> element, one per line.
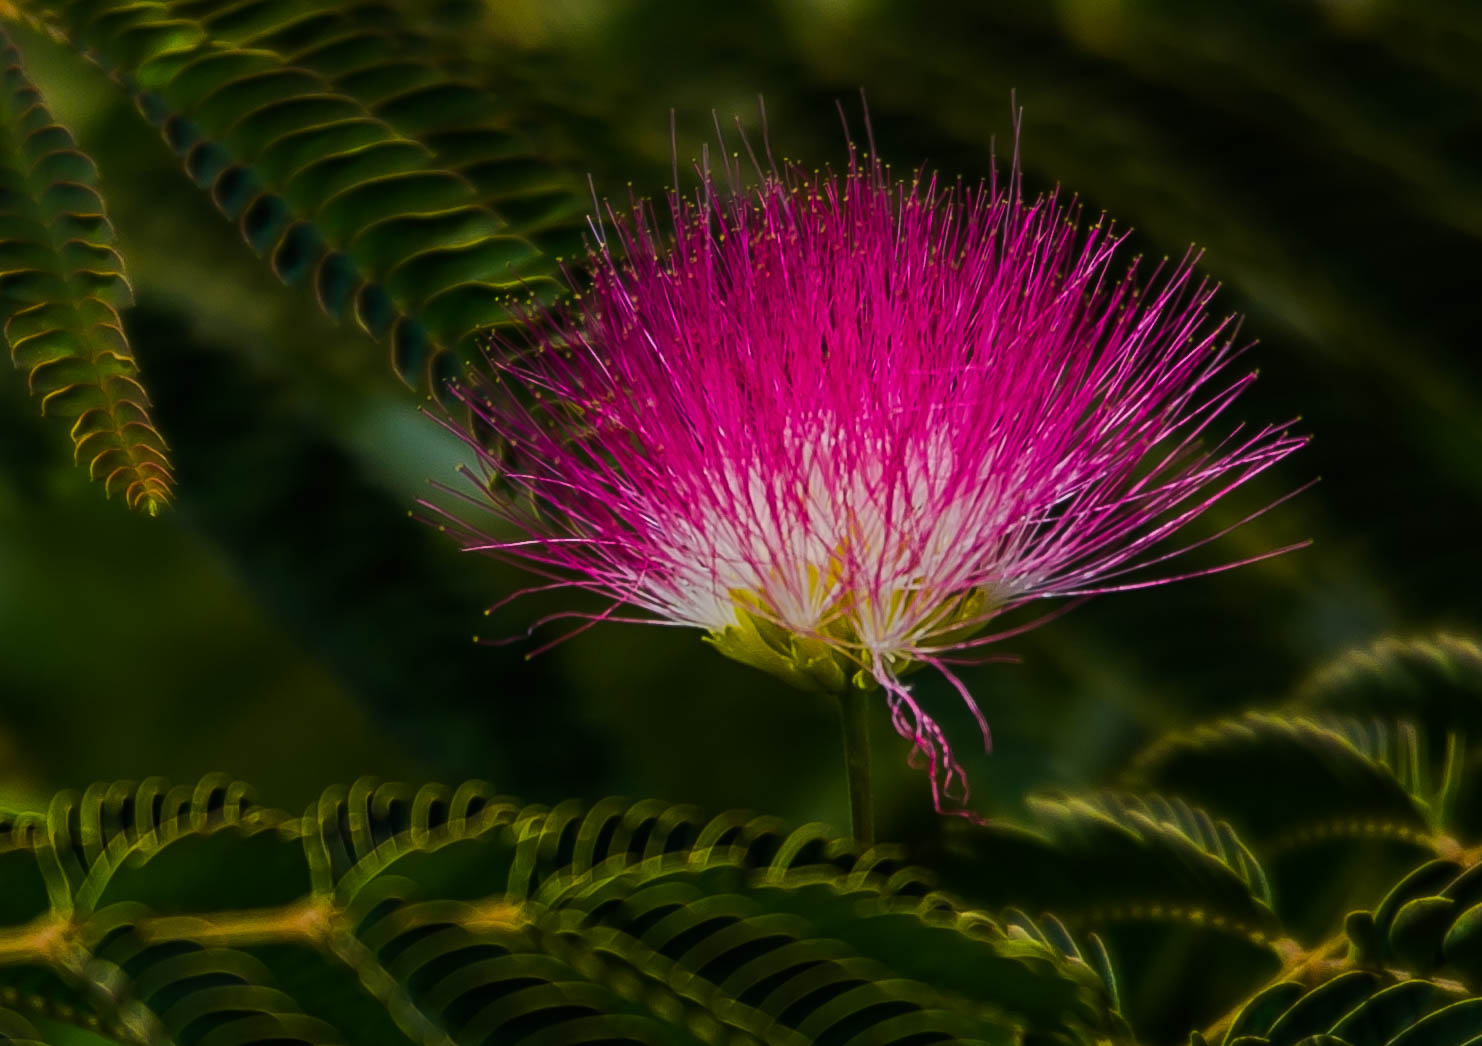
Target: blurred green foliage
<point>1278,874</point>
<point>286,622</point>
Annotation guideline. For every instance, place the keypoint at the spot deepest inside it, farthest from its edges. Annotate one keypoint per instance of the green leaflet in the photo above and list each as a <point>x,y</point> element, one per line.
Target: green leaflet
<point>1429,923</point>
<point>401,197</point>
<point>15,1030</point>
<point>389,915</point>
<point>61,286</point>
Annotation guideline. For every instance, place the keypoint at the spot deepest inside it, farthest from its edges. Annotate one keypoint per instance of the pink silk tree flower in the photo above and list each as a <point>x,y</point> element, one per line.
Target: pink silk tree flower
<point>840,423</point>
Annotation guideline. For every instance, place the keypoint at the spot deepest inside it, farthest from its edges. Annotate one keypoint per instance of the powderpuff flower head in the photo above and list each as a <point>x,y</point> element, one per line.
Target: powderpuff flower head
<point>840,423</point>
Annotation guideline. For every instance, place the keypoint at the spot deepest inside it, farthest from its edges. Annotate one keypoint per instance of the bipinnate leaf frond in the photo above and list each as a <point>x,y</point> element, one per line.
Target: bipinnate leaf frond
<point>1405,972</point>
<point>375,52</point>
<point>1351,801</point>
<point>1427,689</point>
<point>1326,775</point>
<point>62,284</point>
<point>1353,1007</point>
<point>402,197</point>
<point>387,914</point>
<point>1168,891</point>
<point>1330,823</point>
<point>1173,824</point>
<point>1434,680</point>
<point>1099,858</point>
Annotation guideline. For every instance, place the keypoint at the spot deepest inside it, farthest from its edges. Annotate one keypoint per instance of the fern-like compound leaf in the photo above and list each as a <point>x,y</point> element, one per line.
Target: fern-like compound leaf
<point>1358,1008</point>
<point>1178,826</point>
<point>1105,857</point>
<point>1331,824</point>
<point>1428,687</point>
<point>372,51</point>
<point>62,284</point>
<point>1434,680</point>
<point>400,196</point>
<point>1156,878</point>
<point>392,915</point>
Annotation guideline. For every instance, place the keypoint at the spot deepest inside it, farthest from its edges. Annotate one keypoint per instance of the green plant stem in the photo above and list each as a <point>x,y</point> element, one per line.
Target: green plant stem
<point>311,920</point>
<point>1309,967</point>
<point>854,710</point>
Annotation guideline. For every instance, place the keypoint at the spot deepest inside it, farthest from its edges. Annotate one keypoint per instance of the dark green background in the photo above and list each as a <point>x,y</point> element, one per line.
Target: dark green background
<point>287,622</point>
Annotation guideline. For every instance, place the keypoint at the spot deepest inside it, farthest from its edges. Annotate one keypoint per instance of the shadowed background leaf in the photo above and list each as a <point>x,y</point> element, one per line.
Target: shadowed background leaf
<point>347,160</point>
<point>61,290</point>
<point>440,914</point>
<point>290,625</point>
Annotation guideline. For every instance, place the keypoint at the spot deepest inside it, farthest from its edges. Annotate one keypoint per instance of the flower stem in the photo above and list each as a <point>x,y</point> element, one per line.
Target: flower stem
<point>854,708</point>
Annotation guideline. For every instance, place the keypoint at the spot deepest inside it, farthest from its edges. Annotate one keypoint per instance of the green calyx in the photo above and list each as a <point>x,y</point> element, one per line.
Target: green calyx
<point>821,664</point>
<point>805,662</point>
